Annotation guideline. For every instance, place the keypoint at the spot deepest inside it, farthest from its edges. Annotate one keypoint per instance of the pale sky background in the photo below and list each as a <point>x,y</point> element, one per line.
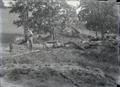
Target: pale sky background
<point>7,3</point>
<point>74,3</point>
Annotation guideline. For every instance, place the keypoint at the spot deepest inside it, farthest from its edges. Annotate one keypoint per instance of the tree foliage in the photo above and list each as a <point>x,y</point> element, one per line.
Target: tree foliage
<point>38,12</point>
<point>99,16</point>
<point>42,15</point>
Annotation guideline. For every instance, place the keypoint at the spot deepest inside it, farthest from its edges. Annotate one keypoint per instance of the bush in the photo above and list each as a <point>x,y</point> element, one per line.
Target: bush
<point>13,75</point>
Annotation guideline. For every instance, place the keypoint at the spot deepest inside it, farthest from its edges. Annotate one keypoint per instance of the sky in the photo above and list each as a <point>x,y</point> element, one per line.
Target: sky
<point>7,3</point>
<point>74,3</point>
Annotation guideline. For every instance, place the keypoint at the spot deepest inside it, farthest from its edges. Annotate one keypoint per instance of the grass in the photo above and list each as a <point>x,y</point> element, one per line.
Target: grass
<point>96,69</point>
<point>8,37</point>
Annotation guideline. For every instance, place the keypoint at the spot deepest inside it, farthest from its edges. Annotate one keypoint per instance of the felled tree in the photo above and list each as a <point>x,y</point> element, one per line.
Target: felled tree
<point>99,16</point>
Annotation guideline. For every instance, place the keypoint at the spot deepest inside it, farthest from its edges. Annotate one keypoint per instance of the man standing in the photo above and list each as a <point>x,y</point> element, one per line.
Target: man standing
<point>29,38</point>
<point>10,47</point>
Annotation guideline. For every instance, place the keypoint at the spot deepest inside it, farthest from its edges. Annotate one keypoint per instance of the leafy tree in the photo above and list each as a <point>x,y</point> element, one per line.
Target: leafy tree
<point>41,15</point>
<point>99,16</point>
<point>21,8</point>
<point>44,15</point>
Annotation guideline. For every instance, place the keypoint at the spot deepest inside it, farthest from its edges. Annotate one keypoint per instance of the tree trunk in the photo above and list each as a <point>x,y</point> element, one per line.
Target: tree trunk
<point>30,44</point>
<point>53,34</point>
<point>96,33</point>
<point>25,20</point>
<point>103,38</point>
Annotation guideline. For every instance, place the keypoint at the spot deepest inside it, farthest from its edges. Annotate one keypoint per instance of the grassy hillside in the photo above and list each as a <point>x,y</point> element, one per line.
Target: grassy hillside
<point>62,67</point>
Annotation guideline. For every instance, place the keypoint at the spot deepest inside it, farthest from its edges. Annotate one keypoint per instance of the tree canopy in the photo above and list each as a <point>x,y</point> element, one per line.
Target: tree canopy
<point>99,16</point>
<point>42,15</point>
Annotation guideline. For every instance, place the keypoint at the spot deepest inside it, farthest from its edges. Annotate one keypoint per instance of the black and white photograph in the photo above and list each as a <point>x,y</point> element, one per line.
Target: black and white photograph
<point>59,43</point>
